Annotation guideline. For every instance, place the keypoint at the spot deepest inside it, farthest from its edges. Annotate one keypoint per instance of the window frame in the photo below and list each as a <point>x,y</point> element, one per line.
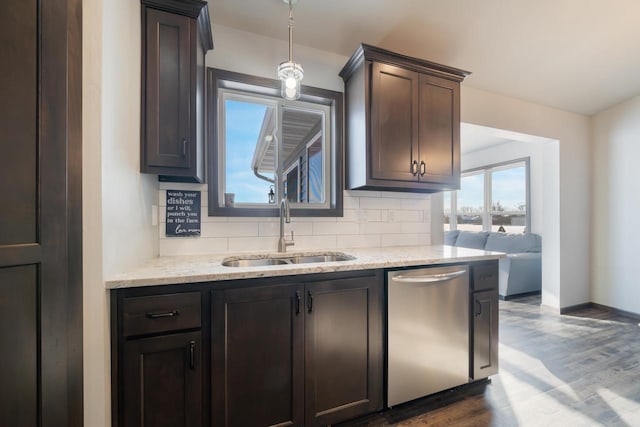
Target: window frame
<point>218,80</point>
<point>487,209</point>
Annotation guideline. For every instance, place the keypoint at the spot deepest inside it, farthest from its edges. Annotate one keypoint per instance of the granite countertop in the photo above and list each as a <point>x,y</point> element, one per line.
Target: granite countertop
<point>208,268</point>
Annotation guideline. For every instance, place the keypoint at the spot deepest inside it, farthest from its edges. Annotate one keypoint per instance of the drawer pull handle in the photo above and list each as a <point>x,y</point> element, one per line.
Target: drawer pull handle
<point>298,298</point>
<point>166,314</point>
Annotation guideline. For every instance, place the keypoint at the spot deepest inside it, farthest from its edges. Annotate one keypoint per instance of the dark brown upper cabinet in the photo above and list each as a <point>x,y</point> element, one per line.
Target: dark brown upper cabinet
<point>402,122</point>
<point>176,35</point>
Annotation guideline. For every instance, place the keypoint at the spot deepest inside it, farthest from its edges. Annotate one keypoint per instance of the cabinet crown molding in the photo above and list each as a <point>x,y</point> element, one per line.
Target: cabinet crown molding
<point>377,54</point>
<point>197,9</point>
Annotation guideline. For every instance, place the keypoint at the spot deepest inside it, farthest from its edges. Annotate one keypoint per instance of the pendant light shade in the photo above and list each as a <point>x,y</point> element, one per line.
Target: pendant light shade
<point>290,73</point>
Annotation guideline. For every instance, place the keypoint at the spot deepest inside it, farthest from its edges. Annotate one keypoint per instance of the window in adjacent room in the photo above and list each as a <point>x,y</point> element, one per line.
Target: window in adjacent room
<point>490,198</point>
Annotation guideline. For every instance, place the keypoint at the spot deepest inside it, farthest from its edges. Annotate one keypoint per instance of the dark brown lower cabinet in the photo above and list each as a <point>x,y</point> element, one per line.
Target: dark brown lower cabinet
<point>162,378</point>
<point>305,353</point>
<point>485,334</point>
<point>257,352</point>
<point>343,349</point>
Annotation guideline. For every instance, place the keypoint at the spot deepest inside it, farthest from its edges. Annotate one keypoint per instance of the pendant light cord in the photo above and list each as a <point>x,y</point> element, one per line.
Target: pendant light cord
<point>290,32</point>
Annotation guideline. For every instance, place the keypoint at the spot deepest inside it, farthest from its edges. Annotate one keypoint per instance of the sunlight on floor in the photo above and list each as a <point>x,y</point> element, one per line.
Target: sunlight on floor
<point>628,410</point>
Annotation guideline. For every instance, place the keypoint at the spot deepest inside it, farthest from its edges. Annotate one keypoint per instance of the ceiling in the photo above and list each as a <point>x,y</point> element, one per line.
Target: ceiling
<point>475,138</point>
<point>575,55</point>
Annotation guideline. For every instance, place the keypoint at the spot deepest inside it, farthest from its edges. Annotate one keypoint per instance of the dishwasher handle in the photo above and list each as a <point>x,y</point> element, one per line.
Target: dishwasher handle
<point>430,278</point>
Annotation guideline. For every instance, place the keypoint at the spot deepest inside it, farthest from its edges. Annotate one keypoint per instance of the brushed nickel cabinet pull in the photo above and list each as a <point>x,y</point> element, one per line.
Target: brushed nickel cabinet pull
<point>160,315</point>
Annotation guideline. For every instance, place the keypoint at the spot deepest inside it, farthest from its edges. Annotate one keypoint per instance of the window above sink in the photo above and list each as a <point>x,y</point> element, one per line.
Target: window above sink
<point>263,148</point>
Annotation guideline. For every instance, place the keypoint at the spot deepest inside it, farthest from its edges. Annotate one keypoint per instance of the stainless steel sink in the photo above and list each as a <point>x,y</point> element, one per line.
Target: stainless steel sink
<point>253,262</point>
<point>303,259</point>
<point>292,259</point>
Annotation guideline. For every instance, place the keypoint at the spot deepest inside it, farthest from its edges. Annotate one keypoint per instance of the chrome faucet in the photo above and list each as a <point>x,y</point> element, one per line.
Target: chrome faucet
<point>284,216</point>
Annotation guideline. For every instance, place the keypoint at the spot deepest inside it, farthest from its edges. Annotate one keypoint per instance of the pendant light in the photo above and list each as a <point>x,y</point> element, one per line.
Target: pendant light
<point>290,73</point>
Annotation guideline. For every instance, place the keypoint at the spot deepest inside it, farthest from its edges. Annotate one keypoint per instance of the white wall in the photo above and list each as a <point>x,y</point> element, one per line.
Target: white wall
<point>566,260</point>
<point>118,200</point>
<point>260,56</point>
<point>127,195</point>
<point>615,205</point>
<point>95,318</point>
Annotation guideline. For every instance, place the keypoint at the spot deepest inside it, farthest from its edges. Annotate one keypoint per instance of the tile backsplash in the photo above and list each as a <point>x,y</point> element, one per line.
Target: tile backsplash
<point>371,219</point>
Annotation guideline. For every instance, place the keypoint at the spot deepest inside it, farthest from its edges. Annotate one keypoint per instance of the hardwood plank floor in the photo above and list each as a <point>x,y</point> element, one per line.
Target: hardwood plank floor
<point>578,369</point>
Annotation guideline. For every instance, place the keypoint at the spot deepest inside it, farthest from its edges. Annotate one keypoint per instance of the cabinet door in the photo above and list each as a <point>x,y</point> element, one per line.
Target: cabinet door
<point>485,334</point>
<point>439,131</point>
<point>169,39</point>
<point>394,123</point>
<point>162,381</point>
<point>257,348</point>
<point>343,349</point>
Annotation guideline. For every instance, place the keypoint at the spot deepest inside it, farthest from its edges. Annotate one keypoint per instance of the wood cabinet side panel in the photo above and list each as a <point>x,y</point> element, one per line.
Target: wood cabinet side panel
<point>357,128</point>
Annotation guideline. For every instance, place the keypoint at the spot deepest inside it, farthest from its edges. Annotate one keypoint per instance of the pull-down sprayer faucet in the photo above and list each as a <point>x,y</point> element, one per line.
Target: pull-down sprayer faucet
<point>284,217</point>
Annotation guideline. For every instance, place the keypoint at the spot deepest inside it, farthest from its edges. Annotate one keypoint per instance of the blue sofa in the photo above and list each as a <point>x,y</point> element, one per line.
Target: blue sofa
<point>521,271</point>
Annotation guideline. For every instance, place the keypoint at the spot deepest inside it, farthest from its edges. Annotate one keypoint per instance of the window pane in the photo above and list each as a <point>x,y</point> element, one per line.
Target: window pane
<point>243,123</point>
<point>471,202</point>
<point>314,179</point>
<point>509,195</point>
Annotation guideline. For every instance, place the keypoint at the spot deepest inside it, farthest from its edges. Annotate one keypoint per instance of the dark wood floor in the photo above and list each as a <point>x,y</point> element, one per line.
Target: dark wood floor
<point>578,369</point>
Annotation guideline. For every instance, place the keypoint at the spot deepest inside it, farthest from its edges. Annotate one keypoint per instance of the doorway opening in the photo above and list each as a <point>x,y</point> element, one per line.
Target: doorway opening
<point>510,185</point>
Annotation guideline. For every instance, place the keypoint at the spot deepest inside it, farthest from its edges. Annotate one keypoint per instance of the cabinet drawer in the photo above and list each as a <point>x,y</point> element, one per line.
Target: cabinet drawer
<point>485,276</point>
<point>160,313</point>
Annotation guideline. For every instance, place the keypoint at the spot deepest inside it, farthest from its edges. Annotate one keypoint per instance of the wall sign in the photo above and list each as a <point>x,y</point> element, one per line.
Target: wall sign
<point>183,213</point>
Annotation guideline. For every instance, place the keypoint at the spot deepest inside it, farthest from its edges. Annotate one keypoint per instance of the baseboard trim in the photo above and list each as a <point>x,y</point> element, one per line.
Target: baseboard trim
<point>624,313</point>
<point>572,308</point>
<point>630,314</point>
<point>516,296</point>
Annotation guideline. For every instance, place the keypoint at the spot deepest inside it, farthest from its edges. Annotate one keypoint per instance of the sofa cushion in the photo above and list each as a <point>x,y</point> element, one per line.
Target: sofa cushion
<point>472,239</point>
<point>450,237</point>
<point>513,243</point>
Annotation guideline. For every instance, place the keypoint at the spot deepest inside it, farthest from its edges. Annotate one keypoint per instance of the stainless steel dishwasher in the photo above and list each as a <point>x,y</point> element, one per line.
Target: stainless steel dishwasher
<point>428,331</point>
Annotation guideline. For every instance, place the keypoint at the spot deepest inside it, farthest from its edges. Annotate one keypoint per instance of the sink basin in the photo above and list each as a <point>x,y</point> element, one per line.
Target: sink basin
<point>303,259</point>
<point>253,262</point>
<point>284,259</point>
